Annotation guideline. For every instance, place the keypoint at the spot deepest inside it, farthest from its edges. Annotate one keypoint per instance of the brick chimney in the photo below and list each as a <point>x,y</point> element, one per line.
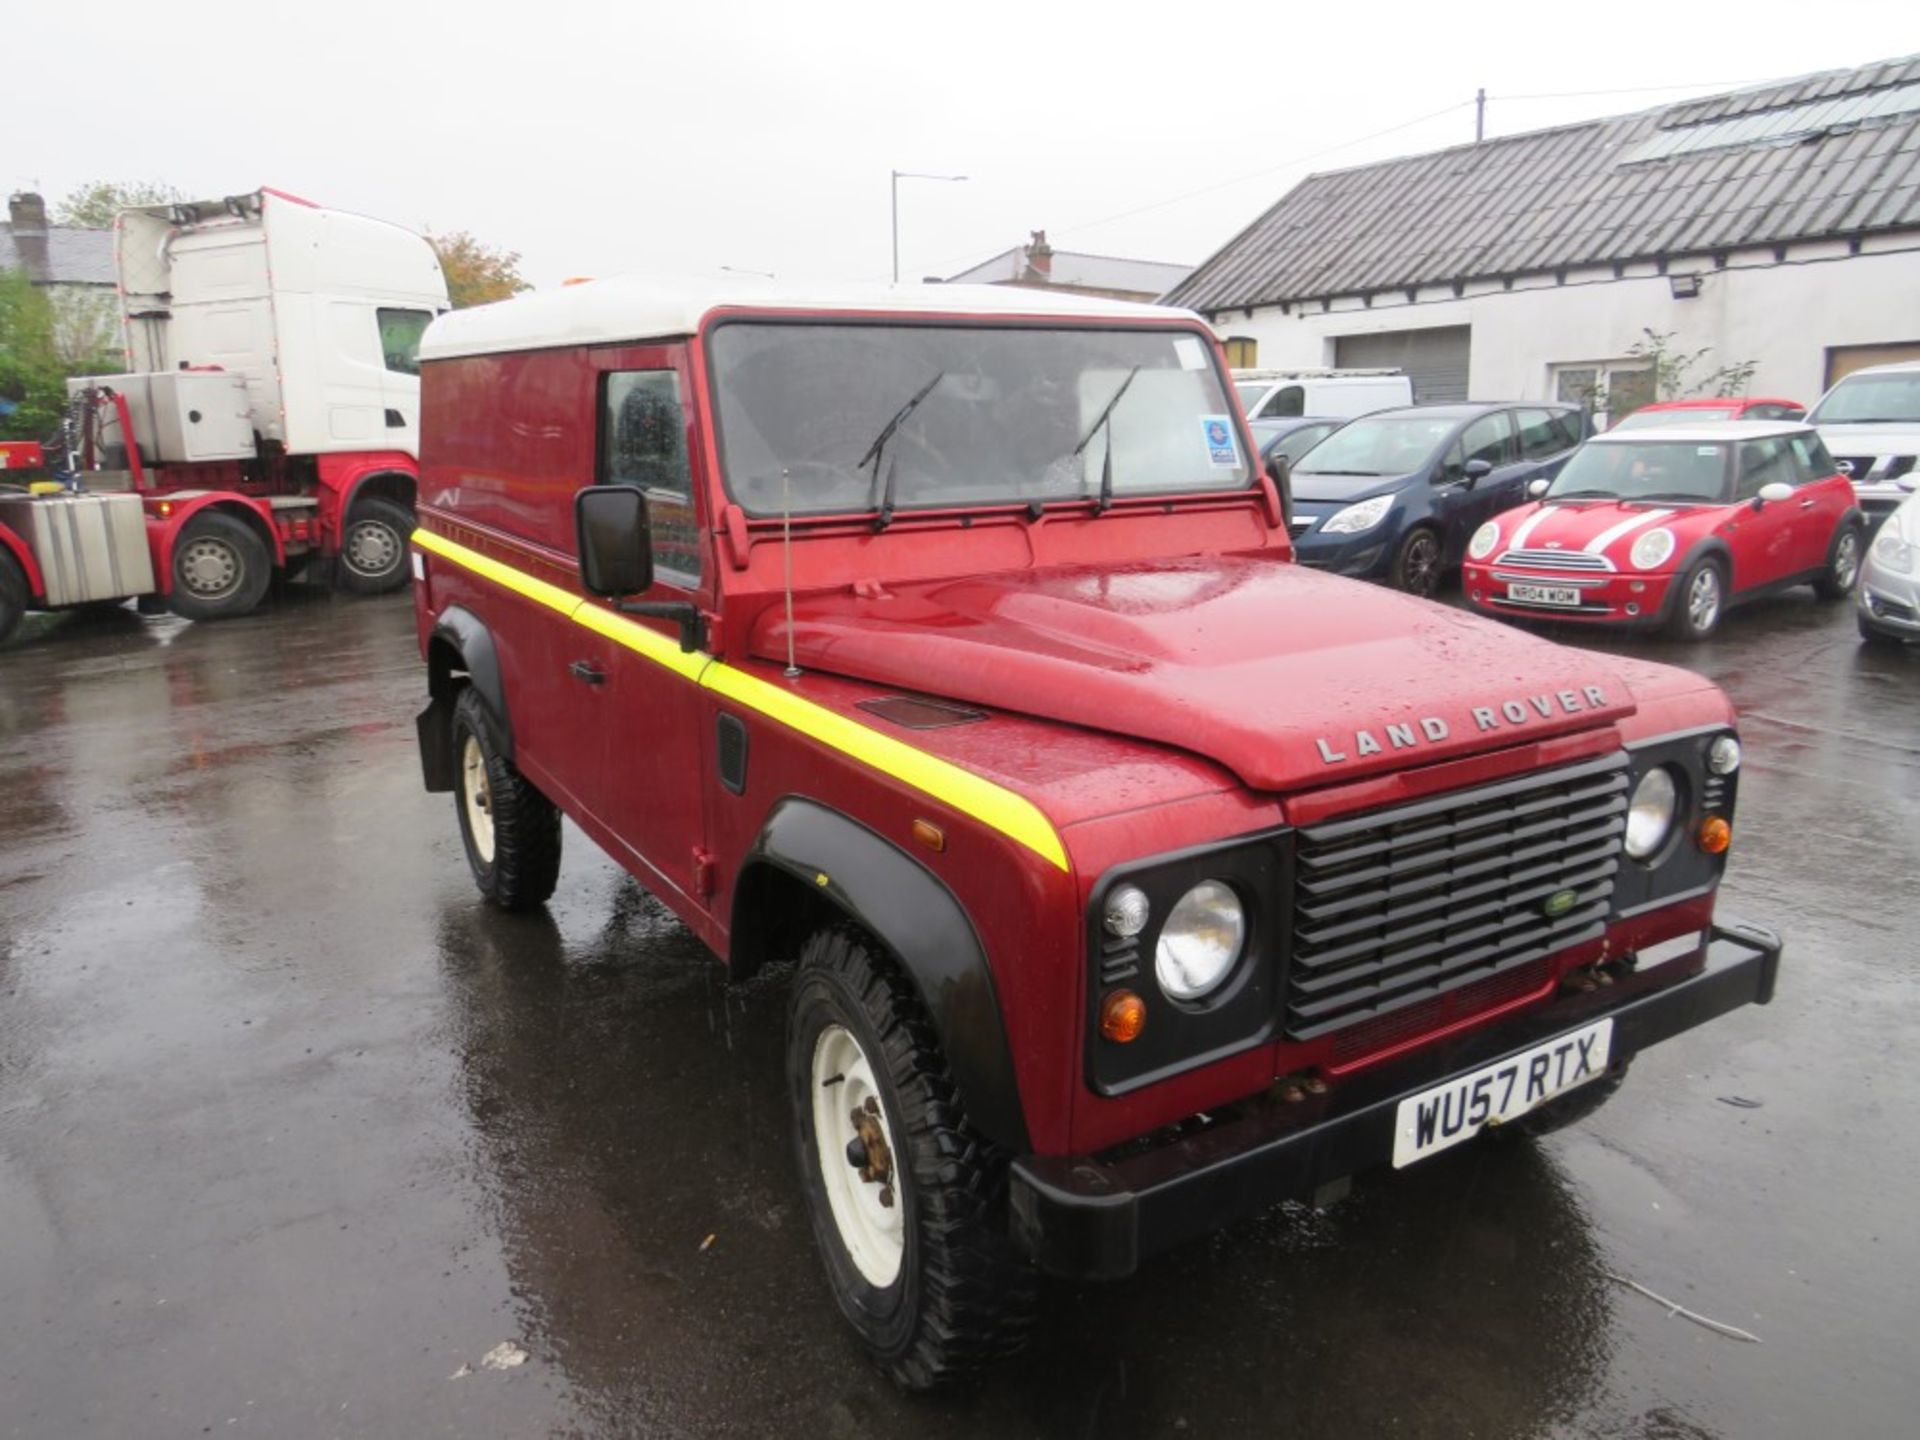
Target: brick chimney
<point>27,215</point>
<point>1039,259</point>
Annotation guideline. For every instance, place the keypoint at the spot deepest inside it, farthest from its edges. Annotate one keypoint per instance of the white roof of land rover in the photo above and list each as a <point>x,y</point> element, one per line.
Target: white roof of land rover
<point>639,307</point>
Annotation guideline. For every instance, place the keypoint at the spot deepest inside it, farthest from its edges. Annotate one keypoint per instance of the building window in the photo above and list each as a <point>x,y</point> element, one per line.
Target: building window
<point>1243,352</point>
<point>1610,388</point>
<point>643,442</point>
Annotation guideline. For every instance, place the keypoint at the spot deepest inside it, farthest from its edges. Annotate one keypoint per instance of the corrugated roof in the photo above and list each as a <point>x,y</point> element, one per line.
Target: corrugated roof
<point>61,255</point>
<point>1073,267</point>
<point>1590,194</point>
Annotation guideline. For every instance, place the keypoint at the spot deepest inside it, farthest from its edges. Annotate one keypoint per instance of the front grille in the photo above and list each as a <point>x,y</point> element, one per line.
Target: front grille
<point>1396,907</point>
<point>1854,467</point>
<point>1555,560</point>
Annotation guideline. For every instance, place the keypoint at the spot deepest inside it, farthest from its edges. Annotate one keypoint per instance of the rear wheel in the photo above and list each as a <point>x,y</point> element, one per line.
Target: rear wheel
<point>511,831</point>
<point>373,547</point>
<point>13,594</point>
<point>221,568</point>
<point>908,1203</point>
<point>1836,582</point>
<point>1416,562</point>
<point>1698,601</point>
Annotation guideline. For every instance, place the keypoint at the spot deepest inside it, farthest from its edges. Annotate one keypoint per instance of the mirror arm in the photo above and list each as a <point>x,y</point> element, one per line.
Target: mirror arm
<point>693,625</point>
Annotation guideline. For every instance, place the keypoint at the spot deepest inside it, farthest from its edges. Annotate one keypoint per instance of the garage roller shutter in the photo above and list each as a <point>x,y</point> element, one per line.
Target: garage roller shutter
<point>1436,360</point>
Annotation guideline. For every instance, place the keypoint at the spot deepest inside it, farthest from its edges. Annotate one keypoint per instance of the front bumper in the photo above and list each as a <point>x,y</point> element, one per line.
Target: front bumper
<point>1889,601</point>
<point>1085,1218</point>
<point>1363,555</point>
<point>1611,598</point>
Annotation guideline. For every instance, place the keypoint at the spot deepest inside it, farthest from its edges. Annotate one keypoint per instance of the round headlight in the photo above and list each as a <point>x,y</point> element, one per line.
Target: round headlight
<point>1723,756</point>
<point>1125,913</point>
<point>1484,539</point>
<point>1203,936</point>
<point>1653,548</point>
<point>1650,817</point>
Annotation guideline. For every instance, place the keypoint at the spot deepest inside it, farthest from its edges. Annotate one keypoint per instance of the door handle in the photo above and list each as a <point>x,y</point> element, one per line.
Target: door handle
<point>1806,504</point>
<point>586,670</point>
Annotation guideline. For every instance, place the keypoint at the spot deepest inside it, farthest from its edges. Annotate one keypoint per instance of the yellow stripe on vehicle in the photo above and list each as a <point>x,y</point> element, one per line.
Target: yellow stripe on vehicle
<point>992,805</point>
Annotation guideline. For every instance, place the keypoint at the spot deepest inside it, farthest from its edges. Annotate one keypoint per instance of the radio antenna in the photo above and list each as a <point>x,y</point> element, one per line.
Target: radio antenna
<point>786,555</point>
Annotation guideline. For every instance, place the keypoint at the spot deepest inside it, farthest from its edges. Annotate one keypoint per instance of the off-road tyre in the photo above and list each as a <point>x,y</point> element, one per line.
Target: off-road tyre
<point>1690,618</point>
<point>373,547</point>
<point>1419,562</point>
<point>13,595</point>
<point>1572,1107</point>
<point>960,1298</point>
<point>510,830</point>
<point>1869,632</point>
<point>1836,582</point>
<point>221,568</point>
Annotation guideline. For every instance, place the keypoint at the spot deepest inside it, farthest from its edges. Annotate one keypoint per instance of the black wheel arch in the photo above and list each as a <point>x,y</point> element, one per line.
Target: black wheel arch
<point>394,485</point>
<point>1710,547</point>
<point>811,866</point>
<point>460,652</point>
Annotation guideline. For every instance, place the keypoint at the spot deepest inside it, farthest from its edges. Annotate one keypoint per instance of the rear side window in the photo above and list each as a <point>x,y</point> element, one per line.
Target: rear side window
<point>1287,400</point>
<point>1764,462</point>
<point>1810,458</point>
<point>1544,434</point>
<point>643,442</point>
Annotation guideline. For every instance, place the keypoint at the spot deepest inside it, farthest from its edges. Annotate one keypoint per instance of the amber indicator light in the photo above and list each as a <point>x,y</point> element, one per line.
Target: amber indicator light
<point>1123,1015</point>
<point>1715,835</point>
<point>930,835</point>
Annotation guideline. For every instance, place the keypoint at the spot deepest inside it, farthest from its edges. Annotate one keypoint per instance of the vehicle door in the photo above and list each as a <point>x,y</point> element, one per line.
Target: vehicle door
<point>1283,403</point>
<point>1462,501</point>
<point>651,754</point>
<point>1764,540</point>
<point>1822,496</point>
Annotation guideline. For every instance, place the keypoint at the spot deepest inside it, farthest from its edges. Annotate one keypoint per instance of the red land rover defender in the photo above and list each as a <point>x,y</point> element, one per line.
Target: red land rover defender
<point>944,642</point>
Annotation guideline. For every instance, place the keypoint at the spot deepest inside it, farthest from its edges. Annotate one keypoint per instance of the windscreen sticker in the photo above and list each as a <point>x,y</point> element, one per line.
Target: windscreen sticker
<point>1218,431</point>
<point>1191,354</point>
<point>1706,450</point>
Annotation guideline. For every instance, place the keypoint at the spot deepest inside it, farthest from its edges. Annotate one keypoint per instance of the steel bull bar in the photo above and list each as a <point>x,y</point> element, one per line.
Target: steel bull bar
<point>1087,1218</point>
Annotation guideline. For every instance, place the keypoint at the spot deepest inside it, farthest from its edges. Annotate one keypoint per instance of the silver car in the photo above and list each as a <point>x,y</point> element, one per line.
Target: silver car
<point>1889,595</point>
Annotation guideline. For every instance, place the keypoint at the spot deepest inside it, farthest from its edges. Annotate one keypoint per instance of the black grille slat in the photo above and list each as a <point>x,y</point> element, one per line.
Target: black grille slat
<point>1395,908</point>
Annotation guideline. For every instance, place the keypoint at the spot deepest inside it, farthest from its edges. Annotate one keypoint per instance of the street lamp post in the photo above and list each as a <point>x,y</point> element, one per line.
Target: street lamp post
<point>898,176</point>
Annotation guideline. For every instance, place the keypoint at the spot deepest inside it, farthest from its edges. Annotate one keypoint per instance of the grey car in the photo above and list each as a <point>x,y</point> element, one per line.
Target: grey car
<point>1888,603</point>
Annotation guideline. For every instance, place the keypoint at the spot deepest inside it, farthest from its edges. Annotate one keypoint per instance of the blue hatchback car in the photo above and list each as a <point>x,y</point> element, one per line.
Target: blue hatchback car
<point>1396,495</point>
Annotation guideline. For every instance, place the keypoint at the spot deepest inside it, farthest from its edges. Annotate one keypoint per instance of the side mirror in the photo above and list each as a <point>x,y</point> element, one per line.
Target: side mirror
<point>1280,471</point>
<point>1477,469</point>
<point>1773,494</point>
<point>1538,486</point>
<point>615,540</point>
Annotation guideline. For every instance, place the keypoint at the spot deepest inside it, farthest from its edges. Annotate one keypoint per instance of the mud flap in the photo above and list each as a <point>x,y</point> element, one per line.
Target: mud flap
<point>434,725</point>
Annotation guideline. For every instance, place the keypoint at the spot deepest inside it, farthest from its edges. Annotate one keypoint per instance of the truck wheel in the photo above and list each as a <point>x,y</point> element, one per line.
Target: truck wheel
<point>1416,562</point>
<point>1698,601</point>
<point>373,548</point>
<point>908,1203</point>
<point>1836,582</point>
<point>1572,1107</point>
<point>13,595</point>
<point>511,831</point>
<point>220,568</point>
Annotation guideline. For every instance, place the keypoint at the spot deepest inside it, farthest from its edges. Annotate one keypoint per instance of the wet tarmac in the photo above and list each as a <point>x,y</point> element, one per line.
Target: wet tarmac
<point>294,1131</point>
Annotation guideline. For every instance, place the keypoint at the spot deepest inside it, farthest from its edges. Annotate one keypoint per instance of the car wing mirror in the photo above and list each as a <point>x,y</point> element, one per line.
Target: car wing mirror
<point>1472,473</point>
<point>615,540</point>
<point>1773,494</point>
<point>1280,471</point>
<point>1538,486</point>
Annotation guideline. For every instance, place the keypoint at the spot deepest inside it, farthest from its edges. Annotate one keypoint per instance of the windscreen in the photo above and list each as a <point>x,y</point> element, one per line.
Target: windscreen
<point>1380,445</point>
<point>849,417</point>
<point>1250,394</point>
<point>1670,470</point>
<point>1655,419</point>
<point>1865,399</point>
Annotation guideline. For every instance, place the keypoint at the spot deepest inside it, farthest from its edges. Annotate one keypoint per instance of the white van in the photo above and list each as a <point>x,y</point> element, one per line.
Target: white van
<point>1336,394</point>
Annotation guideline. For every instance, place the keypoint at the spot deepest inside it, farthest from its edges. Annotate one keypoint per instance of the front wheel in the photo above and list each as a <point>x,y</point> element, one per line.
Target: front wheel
<point>908,1204</point>
<point>373,547</point>
<point>1836,582</point>
<point>1698,600</point>
<point>221,568</point>
<point>13,595</point>
<point>510,830</point>
<point>1416,562</point>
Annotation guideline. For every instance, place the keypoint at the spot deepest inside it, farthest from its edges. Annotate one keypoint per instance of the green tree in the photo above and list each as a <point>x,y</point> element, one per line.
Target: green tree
<point>93,205</point>
<point>477,274</point>
<point>32,383</point>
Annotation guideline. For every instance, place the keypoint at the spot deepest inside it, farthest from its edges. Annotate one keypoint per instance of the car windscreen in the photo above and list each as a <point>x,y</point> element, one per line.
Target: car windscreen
<point>1294,445</point>
<point>1655,419</point>
<point>1380,445</point>
<point>840,418</point>
<point>1672,470</point>
<point>1866,399</point>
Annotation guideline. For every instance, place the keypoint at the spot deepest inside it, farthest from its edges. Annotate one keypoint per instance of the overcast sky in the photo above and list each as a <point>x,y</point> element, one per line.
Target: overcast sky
<point>599,138</point>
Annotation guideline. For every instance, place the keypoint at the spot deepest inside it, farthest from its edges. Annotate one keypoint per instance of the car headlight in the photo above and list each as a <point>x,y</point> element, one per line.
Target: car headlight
<point>1484,539</point>
<point>1125,913</point>
<point>1203,937</point>
<point>1654,547</point>
<point>1355,518</point>
<point>1650,815</point>
<point>1890,551</point>
<point>1723,756</point>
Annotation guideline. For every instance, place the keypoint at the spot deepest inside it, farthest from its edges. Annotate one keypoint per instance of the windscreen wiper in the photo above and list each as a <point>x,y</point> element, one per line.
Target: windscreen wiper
<point>1106,464</point>
<point>879,446</point>
<point>1370,474</point>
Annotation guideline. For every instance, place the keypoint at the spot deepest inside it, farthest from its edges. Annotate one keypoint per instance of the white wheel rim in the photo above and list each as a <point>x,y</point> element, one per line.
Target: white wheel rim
<point>479,798</point>
<point>1847,561</point>
<point>372,548</point>
<point>210,568</point>
<point>872,1231</point>
<point>1703,599</point>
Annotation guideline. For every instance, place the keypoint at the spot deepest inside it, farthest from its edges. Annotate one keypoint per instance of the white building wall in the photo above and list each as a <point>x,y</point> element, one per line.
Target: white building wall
<point>1783,316</point>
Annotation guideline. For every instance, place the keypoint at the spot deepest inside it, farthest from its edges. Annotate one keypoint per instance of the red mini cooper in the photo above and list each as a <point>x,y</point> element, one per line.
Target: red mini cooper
<point>1669,527</point>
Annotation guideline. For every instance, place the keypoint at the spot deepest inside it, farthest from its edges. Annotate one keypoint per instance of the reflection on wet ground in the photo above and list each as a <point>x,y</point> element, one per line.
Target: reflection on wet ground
<point>293,1131</point>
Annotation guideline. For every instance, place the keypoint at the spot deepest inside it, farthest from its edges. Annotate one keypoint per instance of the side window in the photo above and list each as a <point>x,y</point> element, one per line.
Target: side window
<point>643,442</point>
<point>1543,434</point>
<point>1810,458</point>
<point>1568,425</point>
<point>1286,401</point>
<point>1490,438</point>
<point>1763,462</point>
<point>400,332</point>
